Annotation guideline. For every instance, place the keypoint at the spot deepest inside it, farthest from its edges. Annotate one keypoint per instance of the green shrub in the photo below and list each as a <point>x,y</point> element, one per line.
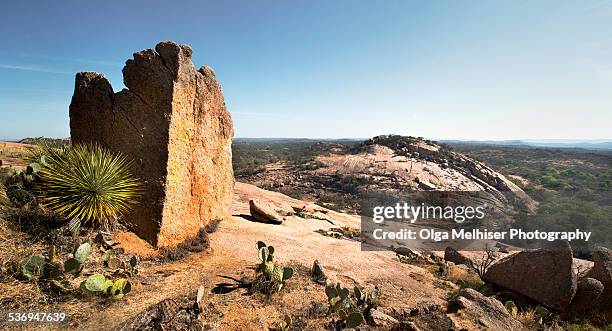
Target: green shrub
<point>86,182</point>
<point>550,181</point>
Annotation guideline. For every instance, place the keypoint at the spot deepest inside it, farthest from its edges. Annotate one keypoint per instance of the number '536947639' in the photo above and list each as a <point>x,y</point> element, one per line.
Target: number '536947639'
<point>33,317</point>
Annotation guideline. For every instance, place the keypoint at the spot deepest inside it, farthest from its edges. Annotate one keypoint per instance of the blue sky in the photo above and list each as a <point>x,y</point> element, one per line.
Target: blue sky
<point>439,69</point>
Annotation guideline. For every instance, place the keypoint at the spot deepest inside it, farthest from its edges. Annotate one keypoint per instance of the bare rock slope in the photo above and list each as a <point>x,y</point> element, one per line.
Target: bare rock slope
<point>392,164</point>
<point>172,121</point>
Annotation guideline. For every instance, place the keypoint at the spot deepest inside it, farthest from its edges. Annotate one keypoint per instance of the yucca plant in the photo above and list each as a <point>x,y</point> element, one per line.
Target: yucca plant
<point>87,183</point>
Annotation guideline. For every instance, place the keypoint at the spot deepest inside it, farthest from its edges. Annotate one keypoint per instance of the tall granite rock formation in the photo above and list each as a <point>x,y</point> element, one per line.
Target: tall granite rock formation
<point>172,122</point>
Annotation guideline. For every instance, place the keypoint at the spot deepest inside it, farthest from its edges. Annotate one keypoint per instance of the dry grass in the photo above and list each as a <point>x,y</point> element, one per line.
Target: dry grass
<point>242,309</point>
<point>462,276</point>
<point>14,247</point>
<point>17,293</point>
<point>594,322</point>
<point>529,319</point>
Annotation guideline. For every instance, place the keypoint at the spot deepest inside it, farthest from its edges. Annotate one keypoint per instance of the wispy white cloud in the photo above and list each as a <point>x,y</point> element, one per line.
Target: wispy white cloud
<point>61,58</point>
<point>35,69</point>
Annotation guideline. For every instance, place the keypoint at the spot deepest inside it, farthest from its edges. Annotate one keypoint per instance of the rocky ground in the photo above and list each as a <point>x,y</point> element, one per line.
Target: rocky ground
<point>233,254</point>
<point>207,283</point>
<point>209,289</point>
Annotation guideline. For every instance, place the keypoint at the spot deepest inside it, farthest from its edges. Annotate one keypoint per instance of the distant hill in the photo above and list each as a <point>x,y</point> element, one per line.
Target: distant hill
<point>342,174</point>
<point>48,141</point>
<point>553,143</point>
<point>584,144</point>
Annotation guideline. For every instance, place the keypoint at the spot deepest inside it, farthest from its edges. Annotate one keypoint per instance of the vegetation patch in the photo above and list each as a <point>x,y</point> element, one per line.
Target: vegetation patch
<point>51,252</point>
<point>270,277</point>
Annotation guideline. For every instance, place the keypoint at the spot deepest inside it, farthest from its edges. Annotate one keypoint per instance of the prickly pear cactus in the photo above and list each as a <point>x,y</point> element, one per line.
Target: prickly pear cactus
<point>95,283</point>
<point>120,287</point>
<point>353,320</point>
<point>131,266</point>
<point>350,309</point>
<point>338,298</point>
<point>33,267</point>
<point>100,285</point>
<point>276,274</point>
<point>287,273</point>
<point>541,313</point>
<point>114,263</point>
<point>82,252</point>
<point>72,266</point>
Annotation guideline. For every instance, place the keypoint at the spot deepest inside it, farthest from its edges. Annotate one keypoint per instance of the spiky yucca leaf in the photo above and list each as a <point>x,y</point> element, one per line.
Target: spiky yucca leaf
<point>87,182</point>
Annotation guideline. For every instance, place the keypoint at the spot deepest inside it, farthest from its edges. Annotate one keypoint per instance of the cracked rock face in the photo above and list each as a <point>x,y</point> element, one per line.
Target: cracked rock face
<point>172,122</point>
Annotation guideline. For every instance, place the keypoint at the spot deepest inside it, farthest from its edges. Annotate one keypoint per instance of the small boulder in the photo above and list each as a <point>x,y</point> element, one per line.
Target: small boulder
<point>317,273</point>
<point>544,275</point>
<point>264,212</point>
<point>453,255</point>
<point>486,311</point>
<point>587,294</point>
<point>502,248</point>
<point>382,320</point>
<point>602,271</point>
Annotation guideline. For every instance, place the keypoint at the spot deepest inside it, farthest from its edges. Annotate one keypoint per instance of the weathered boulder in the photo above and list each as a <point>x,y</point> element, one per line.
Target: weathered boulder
<point>602,271</point>
<point>488,312</point>
<point>380,319</point>
<point>544,275</point>
<point>453,255</point>
<point>587,295</point>
<point>172,122</point>
<point>264,212</point>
